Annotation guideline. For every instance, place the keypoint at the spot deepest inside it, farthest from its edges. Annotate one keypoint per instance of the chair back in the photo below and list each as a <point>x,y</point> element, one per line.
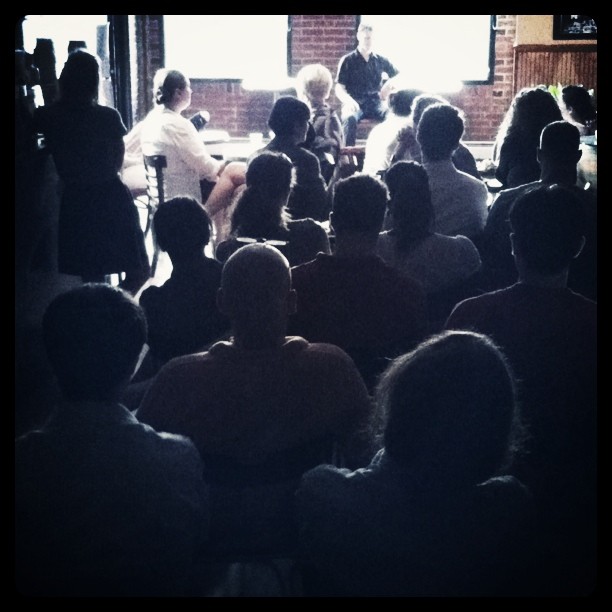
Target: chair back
<point>154,173</point>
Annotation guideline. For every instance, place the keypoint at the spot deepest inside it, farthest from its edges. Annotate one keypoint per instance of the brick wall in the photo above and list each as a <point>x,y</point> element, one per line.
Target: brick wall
<point>324,39</point>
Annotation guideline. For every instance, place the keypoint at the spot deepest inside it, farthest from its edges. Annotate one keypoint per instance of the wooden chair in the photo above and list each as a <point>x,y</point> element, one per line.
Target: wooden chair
<point>154,172</point>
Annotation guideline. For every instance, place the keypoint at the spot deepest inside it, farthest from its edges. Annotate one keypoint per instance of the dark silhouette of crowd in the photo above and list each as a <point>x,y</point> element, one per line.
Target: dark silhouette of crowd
<point>370,387</point>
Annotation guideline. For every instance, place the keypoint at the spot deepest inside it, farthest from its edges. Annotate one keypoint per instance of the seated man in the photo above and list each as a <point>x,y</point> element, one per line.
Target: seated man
<point>104,505</point>
<point>459,200</point>
<point>363,83</point>
<point>353,298</point>
<point>558,155</point>
<point>263,407</point>
<point>549,334</point>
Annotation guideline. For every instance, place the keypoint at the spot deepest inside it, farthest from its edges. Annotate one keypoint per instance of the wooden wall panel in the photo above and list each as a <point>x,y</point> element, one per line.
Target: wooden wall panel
<point>552,64</point>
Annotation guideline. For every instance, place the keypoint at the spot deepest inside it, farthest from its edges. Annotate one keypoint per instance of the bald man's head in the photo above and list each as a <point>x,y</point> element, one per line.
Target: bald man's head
<point>256,284</point>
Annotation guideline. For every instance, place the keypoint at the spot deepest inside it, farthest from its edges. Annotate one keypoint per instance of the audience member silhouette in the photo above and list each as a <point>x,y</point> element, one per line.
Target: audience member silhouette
<point>549,335</point>
<point>459,200</point>
<point>558,155</point>
<point>382,140</point>
<point>436,512</point>
<point>578,108</point>
<point>261,213</point>
<point>363,83</point>
<point>353,298</point>
<point>182,314</point>
<point>532,109</point>
<point>408,147</point>
<point>104,505</point>
<point>263,407</point>
<point>166,132</point>
<point>99,229</point>
<point>325,137</point>
<point>441,264</point>
<point>289,120</point>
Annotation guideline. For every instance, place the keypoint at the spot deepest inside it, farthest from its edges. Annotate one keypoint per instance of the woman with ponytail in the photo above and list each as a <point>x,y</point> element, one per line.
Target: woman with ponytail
<point>166,132</point>
<point>261,213</point>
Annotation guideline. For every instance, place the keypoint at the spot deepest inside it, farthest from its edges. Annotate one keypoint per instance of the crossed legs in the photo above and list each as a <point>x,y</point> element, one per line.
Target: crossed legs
<point>220,202</point>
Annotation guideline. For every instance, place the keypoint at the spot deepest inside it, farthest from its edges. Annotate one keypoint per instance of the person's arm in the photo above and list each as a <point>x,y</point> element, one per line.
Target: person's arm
<point>117,151</point>
<point>158,407</point>
<point>390,85</point>
<point>349,104</point>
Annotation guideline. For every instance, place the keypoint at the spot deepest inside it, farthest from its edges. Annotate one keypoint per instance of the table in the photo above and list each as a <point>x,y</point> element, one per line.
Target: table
<point>231,149</point>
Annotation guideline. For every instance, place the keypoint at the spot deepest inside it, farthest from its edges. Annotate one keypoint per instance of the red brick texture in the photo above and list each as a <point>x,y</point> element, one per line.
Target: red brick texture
<point>324,39</point>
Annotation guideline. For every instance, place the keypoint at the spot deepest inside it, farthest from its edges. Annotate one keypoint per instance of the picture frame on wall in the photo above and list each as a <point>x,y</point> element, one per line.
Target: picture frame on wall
<point>574,27</point>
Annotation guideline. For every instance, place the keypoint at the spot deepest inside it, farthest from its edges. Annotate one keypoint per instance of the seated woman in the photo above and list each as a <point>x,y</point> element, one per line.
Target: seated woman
<point>326,137</point>
<point>182,314</point>
<point>289,122</point>
<point>518,137</point>
<point>435,513</point>
<point>578,108</point>
<point>166,132</point>
<point>439,263</point>
<point>261,213</point>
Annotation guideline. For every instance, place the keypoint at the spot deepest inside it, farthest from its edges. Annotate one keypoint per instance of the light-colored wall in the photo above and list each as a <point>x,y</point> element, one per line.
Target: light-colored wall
<point>538,30</point>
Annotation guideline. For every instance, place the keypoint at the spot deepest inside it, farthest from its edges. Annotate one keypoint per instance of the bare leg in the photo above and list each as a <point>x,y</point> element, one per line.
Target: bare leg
<point>222,221</point>
<point>221,197</point>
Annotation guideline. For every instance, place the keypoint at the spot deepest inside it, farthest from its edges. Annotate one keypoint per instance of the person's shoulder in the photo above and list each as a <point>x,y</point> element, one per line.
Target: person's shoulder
<point>347,56</point>
<point>506,197</point>
<point>514,192</point>
<point>328,351</point>
<point>468,179</point>
<point>150,295</point>
<point>183,366</point>
<point>304,155</point>
<point>106,111</point>
<point>305,225</point>
<point>321,261</point>
<point>225,248</point>
<point>506,491</point>
<point>331,360</point>
<point>166,448</point>
<point>321,475</point>
<point>473,305</point>
<point>459,241</point>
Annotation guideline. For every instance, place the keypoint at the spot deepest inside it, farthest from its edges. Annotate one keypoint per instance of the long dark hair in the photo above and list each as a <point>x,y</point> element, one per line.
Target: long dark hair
<point>412,211</point>
<point>261,208</point>
<point>532,109</point>
<point>450,408</point>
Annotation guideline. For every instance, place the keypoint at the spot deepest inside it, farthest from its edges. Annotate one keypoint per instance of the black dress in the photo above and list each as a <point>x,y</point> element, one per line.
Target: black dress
<point>99,228</point>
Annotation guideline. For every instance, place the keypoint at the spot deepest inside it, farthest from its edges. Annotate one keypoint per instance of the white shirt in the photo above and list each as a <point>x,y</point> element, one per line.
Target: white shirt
<point>381,143</point>
<point>437,263</point>
<point>166,132</point>
<point>459,200</point>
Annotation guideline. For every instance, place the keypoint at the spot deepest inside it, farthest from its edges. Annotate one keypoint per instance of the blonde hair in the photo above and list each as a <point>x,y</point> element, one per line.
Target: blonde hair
<point>315,81</point>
